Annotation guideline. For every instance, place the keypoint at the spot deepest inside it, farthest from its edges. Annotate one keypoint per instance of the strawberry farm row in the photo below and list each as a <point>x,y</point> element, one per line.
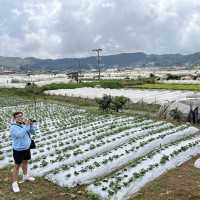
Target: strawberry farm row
<point>114,155</point>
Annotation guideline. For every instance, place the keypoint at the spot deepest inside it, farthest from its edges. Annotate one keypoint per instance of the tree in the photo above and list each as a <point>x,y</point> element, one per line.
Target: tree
<point>118,103</point>
<point>173,77</point>
<point>115,103</point>
<point>151,75</point>
<point>104,103</point>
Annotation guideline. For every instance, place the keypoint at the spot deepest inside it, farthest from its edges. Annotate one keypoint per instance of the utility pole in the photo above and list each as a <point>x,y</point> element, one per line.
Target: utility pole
<point>98,60</point>
<point>79,71</point>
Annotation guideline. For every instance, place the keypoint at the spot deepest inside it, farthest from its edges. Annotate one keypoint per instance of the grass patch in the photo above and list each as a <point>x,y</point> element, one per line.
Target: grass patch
<point>113,84</point>
<point>149,108</point>
<point>169,86</point>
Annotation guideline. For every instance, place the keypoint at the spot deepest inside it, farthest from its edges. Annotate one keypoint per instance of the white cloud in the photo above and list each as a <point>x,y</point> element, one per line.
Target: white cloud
<point>16,12</point>
<point>60,28</point>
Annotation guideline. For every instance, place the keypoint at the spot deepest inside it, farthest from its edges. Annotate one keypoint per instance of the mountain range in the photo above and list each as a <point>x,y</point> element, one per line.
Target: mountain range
<point>139,59</point>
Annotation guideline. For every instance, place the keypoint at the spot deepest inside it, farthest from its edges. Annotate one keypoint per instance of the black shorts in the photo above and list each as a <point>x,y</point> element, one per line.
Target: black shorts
<point>19,156</point>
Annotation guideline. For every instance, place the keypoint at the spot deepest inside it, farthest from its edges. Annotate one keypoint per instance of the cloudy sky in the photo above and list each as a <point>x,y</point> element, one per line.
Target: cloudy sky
<point>72,28</point>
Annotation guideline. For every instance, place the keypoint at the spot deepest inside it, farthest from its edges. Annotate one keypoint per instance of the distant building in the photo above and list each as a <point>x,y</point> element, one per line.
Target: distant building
<point>73,75</point>
<point>187,77</point>
<point>7,72</point>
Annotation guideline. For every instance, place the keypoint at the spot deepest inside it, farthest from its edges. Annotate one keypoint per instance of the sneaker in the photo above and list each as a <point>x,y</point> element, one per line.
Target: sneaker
<point>28,178</point>
<point>15,187</point>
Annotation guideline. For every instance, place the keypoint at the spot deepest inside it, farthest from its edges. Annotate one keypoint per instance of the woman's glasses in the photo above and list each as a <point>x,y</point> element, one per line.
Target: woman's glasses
<point>19,116</point>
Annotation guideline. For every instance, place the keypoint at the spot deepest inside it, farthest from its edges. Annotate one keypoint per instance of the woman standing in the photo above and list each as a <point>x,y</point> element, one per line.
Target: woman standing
<point>20,131</point>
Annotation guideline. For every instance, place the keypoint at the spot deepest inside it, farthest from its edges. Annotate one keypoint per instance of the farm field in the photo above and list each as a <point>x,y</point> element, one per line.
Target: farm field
<point>20,80</point>
<point>171,86</point>
<point>181,81</point>
<point>115,156</point>
<point>181,183</point>
<point>135,95</point>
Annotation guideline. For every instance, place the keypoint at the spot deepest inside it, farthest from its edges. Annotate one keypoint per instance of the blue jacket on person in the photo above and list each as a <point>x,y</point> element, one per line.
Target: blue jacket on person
<point>20,138</point>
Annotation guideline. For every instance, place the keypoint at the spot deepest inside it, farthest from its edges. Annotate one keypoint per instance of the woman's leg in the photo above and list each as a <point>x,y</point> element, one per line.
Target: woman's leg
<point>15,172</point>
<point>26,176</point>
<point>25,166</point>
<point>15,186</point>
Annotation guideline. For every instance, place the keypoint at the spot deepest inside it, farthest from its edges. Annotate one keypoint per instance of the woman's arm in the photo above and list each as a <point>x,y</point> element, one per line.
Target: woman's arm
<point>18,132</point>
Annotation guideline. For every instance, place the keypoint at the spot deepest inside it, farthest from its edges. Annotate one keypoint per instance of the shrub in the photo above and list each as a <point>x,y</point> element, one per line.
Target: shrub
<point>118,103</point>
<point>115,103</point>
<point>104,103</point>
<point>173,77</point>
<point>44,163</point>
<point>1,157</point>
<point>175,114</point>
<point>164,159</point>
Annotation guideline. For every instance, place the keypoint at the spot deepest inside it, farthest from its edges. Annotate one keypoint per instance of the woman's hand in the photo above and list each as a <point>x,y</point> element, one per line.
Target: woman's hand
<point>26,121</point>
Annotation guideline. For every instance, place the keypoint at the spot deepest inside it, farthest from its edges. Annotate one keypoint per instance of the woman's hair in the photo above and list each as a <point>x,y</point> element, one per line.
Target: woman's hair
<point>17,113</point>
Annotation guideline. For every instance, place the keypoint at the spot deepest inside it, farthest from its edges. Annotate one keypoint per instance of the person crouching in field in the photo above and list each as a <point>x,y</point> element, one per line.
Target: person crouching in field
<point>20,131</point>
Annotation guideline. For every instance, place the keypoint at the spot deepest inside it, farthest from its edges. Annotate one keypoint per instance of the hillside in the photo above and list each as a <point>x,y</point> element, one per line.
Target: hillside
<point>121,60</point>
